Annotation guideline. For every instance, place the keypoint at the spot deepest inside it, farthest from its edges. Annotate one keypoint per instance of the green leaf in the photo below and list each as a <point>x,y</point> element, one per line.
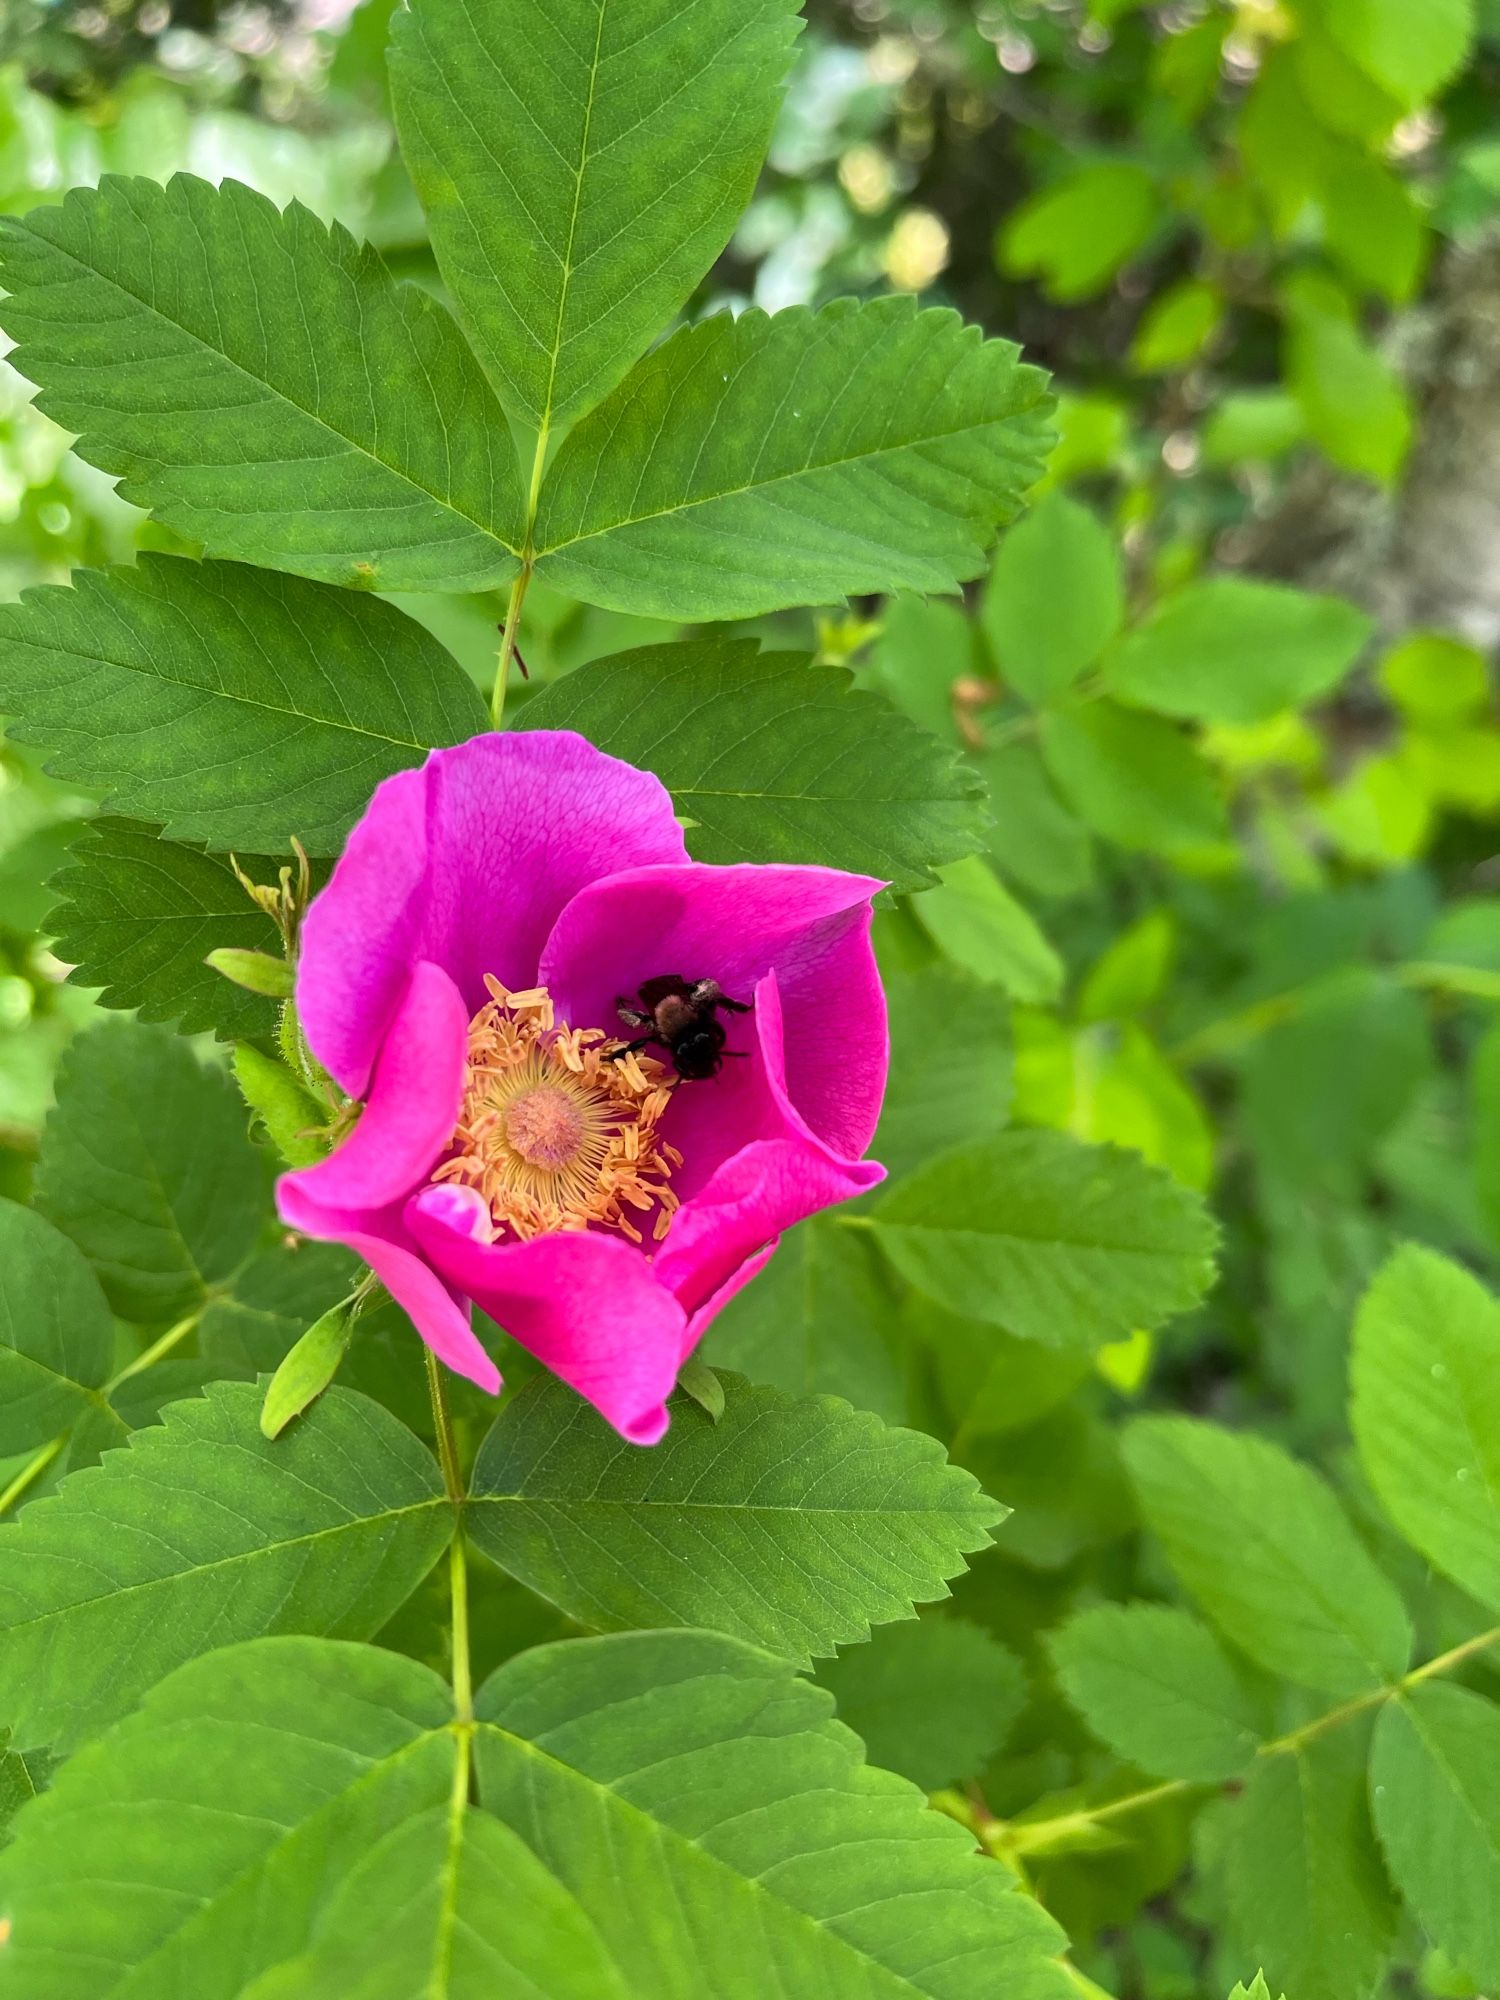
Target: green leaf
<point>1054,599</point>
<point>1230,649</point>
<point>1425,1376</point>
<point>976,923</point>
<point>1132,971</point>
<point>1077,233</point>
<point>950,1066</point>
<point>138,917</point>
<point>1036,841</point>
<point>203,1532</point>
<point>335,424</point>
<point>1158,1688</point>
<point>1438,681</point>
<point>451,1905</point>
<point>795,1524</point>
<point>57,1339</point>
<point>1256,1990</point>
<point>191,1845</point>
<point>1351,398</point>
<point>725,1838</point>
<point>582,166</point>
<point>1066,1244</point>
<point>1265,1548</point>
<point>1176,326</point>
<point>932,1701</point>
<point>1435,1790</point>
<point>144,1162</point>
<point>1409,51</point>
<point>22,1777</point>
<point>821,1319</point>
<point>771,759</point>
<point>752,463</point>
<point>1307,1892</point>
<point>1134,778</point>
<point>307,1370</point>
<point>234,707</point>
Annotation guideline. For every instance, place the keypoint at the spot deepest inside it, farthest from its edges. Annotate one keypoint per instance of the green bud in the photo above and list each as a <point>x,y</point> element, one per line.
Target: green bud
<point>256,971</point>
<point>308,1369</point>
<point>293,1117</point>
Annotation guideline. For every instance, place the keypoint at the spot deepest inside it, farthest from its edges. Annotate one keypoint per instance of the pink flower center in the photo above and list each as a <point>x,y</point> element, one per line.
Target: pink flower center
<point>558,1127</point>
<point>546,1126</point>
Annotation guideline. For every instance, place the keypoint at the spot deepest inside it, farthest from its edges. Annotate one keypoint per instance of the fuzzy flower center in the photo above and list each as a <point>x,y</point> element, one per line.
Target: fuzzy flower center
<point>558,1128</point>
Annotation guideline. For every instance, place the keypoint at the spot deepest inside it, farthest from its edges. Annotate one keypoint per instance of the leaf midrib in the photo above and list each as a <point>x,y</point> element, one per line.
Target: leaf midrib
<point>806,471</point>
<point>352,1525</point>
<point>150,674</point>
<point>149,307</point>
<point>581,1503</point>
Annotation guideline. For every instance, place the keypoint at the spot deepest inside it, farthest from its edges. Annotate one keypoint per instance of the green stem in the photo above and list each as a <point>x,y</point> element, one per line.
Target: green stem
<point>512,624</point>
<point>31,1471</point>
<point>1012,1838</point>
<point>173,1336</point>
<point>458,1563</point>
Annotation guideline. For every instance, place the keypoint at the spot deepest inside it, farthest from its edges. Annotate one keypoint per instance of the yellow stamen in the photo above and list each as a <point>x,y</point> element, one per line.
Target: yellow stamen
<point>558,1129</point>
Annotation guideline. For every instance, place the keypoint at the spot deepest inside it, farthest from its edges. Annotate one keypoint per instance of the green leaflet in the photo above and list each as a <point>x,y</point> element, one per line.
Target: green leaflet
<point>1054,599</point>
<point>1425,1377</point>
<point>821,1319</point>
<point>772,759</point>
<point>202,1532</point>
<point>1435,1792</point>
<point>233,706</point>
<point>1134,778</point>
<point>1307,1893</point>
<point>725,1838</point>
<point>757,462</point>
<point>139,915</point>
<point>670,1814</point>
<point>948,1086</point>
<point>793,1524</point>
<point>1157,1686</point>
<point>332,422</point>
<point>56,1335</point>
<point>1269,1554</point>
<point>933,1699</point>
<point>1056,1242</point>
<point>1231,649</point>
<point>582,164</point>
<point>192,1845</point>
<point>144,1162</point>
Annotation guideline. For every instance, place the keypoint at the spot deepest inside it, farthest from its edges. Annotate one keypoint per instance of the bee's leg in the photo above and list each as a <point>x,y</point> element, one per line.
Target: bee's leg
<point>631,1048</point>
<point>631,1016</point>
<point>736,1006</point>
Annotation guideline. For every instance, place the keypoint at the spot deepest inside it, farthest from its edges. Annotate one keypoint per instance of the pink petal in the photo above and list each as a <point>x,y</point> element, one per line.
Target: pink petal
<point>467,862</point>
<point>586,1305</point>
<point>808,926</point>
<point>379,1237</point>
<point>413,1106</point>
<point>745,1207</point>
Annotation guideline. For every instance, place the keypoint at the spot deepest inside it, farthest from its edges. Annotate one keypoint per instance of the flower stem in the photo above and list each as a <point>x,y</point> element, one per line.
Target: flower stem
<point>458,1564</point>
<point>31,1471</point>
<point>508,642</point>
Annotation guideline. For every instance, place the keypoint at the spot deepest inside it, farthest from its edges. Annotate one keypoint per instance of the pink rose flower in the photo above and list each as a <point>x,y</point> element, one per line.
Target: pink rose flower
<point>461,974</point>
